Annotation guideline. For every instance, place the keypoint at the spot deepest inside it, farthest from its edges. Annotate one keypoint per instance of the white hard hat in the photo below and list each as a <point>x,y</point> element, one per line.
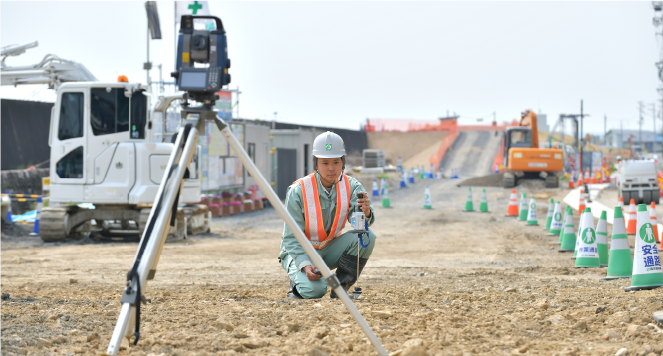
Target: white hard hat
<point>328,145</point>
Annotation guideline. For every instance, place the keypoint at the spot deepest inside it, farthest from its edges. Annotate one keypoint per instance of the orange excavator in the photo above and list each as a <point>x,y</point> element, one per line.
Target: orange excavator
<point>524,159</point>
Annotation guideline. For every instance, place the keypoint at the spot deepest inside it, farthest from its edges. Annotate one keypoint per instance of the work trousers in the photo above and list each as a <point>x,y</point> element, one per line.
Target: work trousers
<point>346,243</point>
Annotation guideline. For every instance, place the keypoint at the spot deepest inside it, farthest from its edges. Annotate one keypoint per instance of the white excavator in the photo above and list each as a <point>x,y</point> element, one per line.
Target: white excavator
<point>109,148</point>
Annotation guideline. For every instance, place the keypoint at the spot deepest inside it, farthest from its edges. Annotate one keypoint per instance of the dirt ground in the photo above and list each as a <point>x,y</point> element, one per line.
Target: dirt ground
<point>453,283</point>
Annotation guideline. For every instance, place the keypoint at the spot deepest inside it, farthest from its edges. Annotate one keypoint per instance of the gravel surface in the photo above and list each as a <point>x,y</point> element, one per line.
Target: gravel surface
<point>440,282</point>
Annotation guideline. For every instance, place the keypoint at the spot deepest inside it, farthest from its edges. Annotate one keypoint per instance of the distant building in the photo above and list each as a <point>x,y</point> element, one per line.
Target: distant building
<point>542,122</point>
<point>620,139</point>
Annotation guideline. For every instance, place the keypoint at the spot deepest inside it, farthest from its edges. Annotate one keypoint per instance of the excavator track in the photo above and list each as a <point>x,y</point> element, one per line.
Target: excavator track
<point>52,224</point>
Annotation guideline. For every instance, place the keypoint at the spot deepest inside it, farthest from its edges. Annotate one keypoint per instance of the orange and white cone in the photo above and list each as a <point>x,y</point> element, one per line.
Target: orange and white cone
<point>654,222</point>
<point>580,182</point>
<point>632,221</point>
<point>513,204</point>
<point>581,206</point>
<point>571,184</point>
<point>621,205</point>
<point>592,180</point>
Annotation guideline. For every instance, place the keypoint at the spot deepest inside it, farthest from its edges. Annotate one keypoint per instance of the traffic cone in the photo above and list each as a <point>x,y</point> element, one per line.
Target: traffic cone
<point>580,182</point>
<point>468,203</point>
<point>561,231</point>
<point>592,180</point>
<point>483,205</point>
<point>588,251</point>
<point>385,196</point>
<point>580,227</point>
<point>568,233</point>
<point>549,213</point>
<point>621,205</point>
<point>383,183</point>
<point>620,263</point>
<point>602,239</point>
<point>532,219</point>
<point>376,191</point>
<point>513,204</point>
<point>8,218</point>
<point>427,202</point>
<point>439,173</point>
<point>556,223</point>
<point>454,173</point>
<point>421,172</point>
<point>431,173</point>
<point>403,185</point>
<point>410,174</point>
<point>647,272</point>
<point>522,211</point>
<point>571,185</point>
<point>632,222</point>
<point>654,222</point>
<point>400,164</point>
<point>582,205</point>
<point>40,205</point>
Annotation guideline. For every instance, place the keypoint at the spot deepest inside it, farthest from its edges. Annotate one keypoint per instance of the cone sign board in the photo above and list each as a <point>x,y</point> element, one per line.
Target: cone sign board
<point>647,273</point>
<point>588,251</point>
<point>557,222</point>
<point>427,202</point>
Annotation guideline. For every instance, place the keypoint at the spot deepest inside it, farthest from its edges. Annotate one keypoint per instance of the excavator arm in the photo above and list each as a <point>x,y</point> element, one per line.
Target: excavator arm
<point>528,119</point>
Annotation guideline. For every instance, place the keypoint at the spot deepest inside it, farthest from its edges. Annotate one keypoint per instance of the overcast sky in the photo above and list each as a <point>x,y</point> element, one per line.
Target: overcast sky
<point>338,63</point>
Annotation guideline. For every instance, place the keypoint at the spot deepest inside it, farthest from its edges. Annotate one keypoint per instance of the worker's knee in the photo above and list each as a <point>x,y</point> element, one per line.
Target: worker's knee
<point>312,289</point>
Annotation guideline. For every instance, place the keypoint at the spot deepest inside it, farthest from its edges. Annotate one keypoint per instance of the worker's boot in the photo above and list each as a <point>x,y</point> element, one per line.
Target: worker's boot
<point>347,271</point>
<point>293,293</point>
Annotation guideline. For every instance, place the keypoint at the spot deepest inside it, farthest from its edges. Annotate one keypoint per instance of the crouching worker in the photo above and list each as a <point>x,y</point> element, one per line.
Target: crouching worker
<point>321,203</point>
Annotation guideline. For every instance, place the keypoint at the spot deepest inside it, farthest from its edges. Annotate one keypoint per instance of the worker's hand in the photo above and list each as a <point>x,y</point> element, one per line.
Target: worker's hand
<point>365,205</point>
<point>310,273</point>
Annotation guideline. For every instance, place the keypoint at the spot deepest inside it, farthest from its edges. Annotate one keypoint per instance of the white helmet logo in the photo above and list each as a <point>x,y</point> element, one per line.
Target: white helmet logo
<point>328,147</point>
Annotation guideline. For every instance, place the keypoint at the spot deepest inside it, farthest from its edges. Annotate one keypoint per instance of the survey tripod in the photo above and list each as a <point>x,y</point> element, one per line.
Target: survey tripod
<point>162,216</point>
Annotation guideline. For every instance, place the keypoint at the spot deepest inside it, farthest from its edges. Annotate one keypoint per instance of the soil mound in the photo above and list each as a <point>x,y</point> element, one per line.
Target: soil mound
<point>491,180</point>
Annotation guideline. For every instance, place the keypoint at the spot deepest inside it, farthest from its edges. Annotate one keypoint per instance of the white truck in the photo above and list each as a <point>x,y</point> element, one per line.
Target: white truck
<point>110,149</point>
<point>637,181</point>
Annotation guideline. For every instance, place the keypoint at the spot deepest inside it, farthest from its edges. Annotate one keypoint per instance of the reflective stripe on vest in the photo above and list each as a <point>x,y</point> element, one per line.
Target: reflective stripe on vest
<point>315,227</point>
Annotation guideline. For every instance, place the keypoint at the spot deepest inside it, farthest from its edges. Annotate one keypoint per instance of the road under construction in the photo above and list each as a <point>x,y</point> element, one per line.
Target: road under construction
<point>444,278</point>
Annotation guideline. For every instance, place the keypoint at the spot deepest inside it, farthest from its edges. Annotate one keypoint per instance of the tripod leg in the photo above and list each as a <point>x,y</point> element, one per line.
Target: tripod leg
<point>155,233</point>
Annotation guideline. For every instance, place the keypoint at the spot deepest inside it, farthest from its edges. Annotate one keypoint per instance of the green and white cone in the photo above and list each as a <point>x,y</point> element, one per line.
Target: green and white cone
<point>588,251</point>
<point>532,219</point>
<point>549,214</point>
<point>575,252</point>
<point>483,205</point>
<point>556,220</point>
<point>468,203</point>
<point>561,231</point>
<point>522,208</point>
<point>602,239</point>
<point>620,263</point>
<point>647,273</point>
<point>385,196</point>
<point>427,203</point>
<point>568,233</point>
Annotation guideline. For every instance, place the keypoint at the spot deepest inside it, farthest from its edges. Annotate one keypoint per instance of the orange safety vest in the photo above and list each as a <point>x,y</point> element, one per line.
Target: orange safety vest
<point>315,227</point>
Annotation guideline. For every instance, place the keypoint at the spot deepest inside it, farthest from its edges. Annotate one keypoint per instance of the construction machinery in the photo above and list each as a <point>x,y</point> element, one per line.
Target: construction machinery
<point>109,151</point>
<point>524,159</point>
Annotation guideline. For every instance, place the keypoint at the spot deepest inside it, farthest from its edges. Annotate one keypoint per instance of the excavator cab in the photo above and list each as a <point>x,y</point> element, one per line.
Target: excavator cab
<point>516,137</point>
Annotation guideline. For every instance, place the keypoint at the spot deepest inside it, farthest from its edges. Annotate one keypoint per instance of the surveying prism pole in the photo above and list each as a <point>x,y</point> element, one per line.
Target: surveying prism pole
<point>154,236</point>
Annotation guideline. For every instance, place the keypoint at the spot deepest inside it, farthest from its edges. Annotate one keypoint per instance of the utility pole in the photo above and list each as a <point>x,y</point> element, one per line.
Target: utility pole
<point>640,124</point>
<point>653,114</point>
<point>582,138</point>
